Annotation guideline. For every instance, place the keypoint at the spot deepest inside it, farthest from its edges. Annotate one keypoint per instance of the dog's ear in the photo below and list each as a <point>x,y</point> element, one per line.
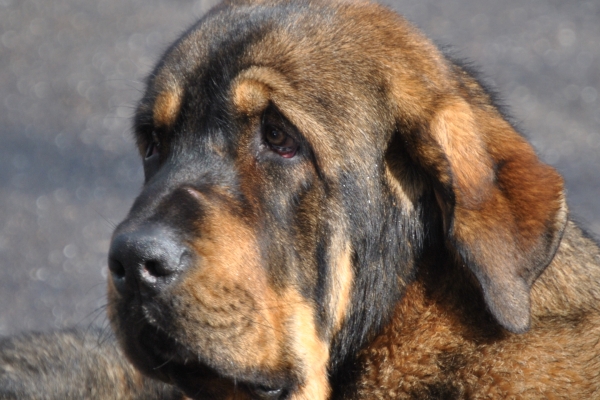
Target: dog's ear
<point>504,210</point>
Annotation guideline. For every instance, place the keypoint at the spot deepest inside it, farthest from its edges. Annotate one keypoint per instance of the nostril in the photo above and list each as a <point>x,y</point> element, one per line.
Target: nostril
<point>117,272</point>
<point>153,269</point>
<point>116,269</point>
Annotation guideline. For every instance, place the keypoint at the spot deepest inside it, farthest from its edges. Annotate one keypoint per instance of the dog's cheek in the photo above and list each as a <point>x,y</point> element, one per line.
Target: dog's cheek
<point>228,309</point>
<point>226,305</point>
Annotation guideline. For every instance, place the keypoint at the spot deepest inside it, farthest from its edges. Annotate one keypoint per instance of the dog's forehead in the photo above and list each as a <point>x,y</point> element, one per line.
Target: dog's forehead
<point>337,61</point>
<point>287,37</point>
<point>223,41</point>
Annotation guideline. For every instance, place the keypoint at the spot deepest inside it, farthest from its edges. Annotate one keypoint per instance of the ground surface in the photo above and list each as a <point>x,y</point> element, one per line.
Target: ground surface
<point>70,73</point>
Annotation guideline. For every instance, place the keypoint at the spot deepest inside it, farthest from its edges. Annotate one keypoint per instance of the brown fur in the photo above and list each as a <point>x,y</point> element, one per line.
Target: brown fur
<point>335,210</point>
<point>440,349</point>
<point>166,108</point>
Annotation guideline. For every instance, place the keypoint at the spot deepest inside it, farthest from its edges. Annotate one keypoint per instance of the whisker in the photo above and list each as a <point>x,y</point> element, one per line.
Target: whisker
<point>163,364</point>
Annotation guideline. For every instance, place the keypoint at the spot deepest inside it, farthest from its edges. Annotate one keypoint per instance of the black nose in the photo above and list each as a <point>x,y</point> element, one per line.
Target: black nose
<point>147,259</point>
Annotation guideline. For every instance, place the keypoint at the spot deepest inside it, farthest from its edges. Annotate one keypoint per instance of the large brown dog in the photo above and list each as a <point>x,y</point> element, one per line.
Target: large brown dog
<point>333,209</point>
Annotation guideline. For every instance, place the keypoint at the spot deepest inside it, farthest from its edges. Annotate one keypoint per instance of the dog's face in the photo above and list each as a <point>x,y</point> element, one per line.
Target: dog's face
<point>300,161</point>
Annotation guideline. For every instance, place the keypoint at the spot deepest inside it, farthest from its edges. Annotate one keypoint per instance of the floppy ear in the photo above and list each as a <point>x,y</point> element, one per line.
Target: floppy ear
<point>504,210</point>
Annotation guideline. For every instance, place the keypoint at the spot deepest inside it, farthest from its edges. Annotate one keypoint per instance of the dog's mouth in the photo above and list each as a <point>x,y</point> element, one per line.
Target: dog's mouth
<point>171,361</point>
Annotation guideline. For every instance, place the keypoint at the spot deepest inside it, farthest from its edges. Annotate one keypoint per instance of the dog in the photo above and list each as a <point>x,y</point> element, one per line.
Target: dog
<point>334,209</point>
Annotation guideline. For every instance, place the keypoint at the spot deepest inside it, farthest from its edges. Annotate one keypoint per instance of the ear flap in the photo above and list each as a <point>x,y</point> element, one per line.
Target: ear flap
<point>504,210</point>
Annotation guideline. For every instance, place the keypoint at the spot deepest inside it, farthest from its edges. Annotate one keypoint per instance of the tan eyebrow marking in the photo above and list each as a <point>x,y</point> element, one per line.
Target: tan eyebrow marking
<point>166,107</point>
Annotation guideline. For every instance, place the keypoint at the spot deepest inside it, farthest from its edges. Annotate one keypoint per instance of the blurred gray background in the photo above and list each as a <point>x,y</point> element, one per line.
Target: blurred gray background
<point>71,72</point>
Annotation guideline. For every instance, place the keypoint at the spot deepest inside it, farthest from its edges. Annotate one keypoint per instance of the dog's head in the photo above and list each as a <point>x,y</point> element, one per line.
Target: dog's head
<point>300,160</point>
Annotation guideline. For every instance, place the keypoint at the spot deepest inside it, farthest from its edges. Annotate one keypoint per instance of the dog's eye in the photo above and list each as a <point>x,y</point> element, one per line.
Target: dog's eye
<point>152,150</point>
<point>153,147</point>
<point>152,157</point>
<point>280,142</point>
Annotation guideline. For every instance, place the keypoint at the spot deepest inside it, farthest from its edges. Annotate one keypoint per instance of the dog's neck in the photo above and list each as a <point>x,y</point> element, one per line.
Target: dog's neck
<point>440,306</point>
<point>440,331</point>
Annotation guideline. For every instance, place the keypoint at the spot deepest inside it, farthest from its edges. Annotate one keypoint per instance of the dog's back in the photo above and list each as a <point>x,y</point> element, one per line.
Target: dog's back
<point>70,365</point>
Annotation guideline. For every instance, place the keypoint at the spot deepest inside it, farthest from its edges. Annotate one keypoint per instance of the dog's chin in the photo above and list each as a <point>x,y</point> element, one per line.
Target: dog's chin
<point>161,357</point>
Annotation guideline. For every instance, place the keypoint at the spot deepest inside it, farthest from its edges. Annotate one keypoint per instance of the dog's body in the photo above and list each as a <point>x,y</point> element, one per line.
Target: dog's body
<point>333,209</point>
<point>70,365</point>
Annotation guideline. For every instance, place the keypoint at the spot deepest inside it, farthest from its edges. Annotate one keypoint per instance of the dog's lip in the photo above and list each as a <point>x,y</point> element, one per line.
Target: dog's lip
<point>173,363</point>
<point>178,365</point>
<point>166,353</point>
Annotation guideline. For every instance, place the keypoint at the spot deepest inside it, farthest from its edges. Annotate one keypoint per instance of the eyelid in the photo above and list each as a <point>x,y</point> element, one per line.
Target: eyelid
<point>153,146</point>
<point>276,120</point>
